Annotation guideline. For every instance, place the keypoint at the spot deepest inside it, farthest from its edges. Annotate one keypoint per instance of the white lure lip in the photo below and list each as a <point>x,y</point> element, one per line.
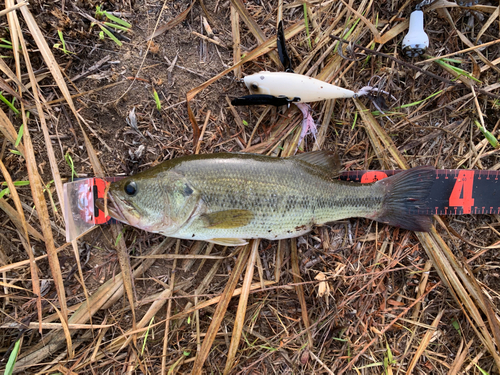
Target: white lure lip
<point>293,85</point>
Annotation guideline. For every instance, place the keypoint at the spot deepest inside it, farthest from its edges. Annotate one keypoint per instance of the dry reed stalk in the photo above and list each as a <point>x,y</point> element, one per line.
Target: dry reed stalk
<point>242,307</point>
<point>449,269</point>
<point>235,32</point>
<point>299,289</point>
<point>424,343</point>
<point>169,312</point>
<point>221,310</point>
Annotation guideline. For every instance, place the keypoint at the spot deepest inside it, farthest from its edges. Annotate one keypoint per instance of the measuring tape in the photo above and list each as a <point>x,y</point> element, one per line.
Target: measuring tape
<point>454,192</point>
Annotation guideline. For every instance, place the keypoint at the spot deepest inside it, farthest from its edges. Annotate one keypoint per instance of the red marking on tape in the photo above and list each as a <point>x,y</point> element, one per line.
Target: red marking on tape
<point>372,176</point>
<point>101,188</point>
<point>461,196</point>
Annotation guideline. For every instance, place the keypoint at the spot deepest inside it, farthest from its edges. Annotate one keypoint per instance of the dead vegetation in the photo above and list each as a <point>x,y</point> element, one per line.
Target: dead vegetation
<point>353,297</point>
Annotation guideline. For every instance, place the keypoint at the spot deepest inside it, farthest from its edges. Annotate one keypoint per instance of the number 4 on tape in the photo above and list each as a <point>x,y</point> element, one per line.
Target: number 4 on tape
<point>461,196</point>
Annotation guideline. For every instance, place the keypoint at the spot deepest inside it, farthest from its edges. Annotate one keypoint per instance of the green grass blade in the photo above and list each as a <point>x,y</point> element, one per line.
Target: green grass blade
<point>9,104</point>
<point>19,135</point>
<point>61,38</point>
<point>456,61</point>
<point>348,33</point>
<point>119,237</point>
<point>355,120</point>
<point>111,35</point>
<point>17,183</point>
<point>146,335</point>
<point>420,101</point>
<point>69,161</point>
<point>115,26</point>
<point>490,137</point>
<point>456,325</point>
<point>457,70</point>
<point>118,20</point>
<point>4,192</point>
<point>7,44</point>
<point>483,372</point>
<point>306,22</point>
<point>9,368</point>
<point>157,100</point>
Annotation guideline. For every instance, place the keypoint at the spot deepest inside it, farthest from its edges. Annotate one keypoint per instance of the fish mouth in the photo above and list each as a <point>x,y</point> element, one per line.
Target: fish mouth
<point>113,209</point>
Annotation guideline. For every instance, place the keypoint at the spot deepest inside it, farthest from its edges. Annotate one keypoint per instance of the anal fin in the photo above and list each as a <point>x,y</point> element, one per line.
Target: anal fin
<point>228,241</point>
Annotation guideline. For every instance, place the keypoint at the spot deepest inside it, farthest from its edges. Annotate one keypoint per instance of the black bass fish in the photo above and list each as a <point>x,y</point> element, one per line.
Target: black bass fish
<point>228,198</point>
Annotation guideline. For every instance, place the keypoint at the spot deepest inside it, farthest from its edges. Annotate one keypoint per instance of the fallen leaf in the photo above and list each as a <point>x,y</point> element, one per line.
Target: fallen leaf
<point>323,287</point>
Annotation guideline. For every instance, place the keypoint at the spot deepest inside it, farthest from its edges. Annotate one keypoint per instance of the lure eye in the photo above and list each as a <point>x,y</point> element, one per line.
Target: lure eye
<point>131,188</point>
<point>254,87</point>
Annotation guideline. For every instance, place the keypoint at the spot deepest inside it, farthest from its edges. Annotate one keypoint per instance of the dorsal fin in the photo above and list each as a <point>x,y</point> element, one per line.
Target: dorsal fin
<point>328,160</point>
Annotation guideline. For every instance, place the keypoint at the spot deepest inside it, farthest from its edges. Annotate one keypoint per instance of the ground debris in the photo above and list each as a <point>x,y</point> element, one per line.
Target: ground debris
<point>374,298</point>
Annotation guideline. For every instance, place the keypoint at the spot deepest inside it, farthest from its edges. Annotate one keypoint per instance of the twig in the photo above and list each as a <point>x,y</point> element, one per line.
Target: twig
<point>94,67</point>
<point>203,132</point>
<point>321,363</point>
<point>186,69</point>
<point>219,43</point>
<point>459,52</point>
<point>14,7</point>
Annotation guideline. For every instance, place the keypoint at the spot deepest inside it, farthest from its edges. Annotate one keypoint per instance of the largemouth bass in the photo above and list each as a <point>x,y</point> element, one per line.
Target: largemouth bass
<point>229,198</point>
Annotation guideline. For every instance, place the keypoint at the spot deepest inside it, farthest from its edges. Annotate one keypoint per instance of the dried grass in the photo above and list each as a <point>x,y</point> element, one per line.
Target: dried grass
<point>390,301</point>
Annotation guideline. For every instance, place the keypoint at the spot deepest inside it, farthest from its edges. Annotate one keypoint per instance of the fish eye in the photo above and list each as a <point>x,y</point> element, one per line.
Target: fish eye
<point>131,188</point>
<point>254,86</point>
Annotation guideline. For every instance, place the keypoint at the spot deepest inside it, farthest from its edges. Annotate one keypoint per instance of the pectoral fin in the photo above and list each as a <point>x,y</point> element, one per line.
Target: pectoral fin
<point>228,241</point>
<point>227,219</point>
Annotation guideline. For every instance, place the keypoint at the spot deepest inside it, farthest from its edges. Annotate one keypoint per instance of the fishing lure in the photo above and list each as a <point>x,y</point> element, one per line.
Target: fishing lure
<point>416,41</point>
<point>295,87</point>
<point>284,88</point>
<point>264,99</point>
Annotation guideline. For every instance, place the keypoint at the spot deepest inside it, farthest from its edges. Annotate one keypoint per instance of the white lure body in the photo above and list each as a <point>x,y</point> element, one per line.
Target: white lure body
<point>416,41</point>
<point>293,85</point>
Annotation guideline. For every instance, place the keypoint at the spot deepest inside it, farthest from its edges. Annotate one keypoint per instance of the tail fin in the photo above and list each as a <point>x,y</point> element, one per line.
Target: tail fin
<point>405,192</point>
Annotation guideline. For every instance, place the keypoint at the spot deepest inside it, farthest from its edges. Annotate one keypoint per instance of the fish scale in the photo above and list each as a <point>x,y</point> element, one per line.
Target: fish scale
<point>283,202</point>
<point>243,196</point>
